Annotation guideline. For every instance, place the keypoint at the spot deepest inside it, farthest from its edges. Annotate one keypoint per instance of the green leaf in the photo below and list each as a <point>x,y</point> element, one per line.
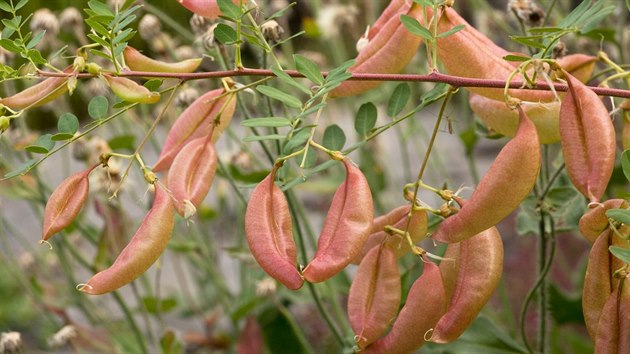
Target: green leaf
<point>365,119</point>
<point>530,41</point>
<point>122,142</point>
<point>22,168</point>
<point>412,25</point>
<point>334,137</point>
<point>308,69</point>
<point>271,122</point>
<point>398,99</point>
<point>284,77</point>
<point>451,31</point>
<point>21,4</point>
<point>517,58</point>
<point>297,141</point>
<point>100,8</point>
<point>545,29</point>
<point>153,84</point>
<point>311,158</point>
<point>225,34</point>
<point>98,107</point>
<point>35,40</point>
<point>625,162</point>
<point>153,305</point>
<point>4,6</point>
<point>123,36</point>
<point>68,123</point>
<point>621,253</point>
<point>169,343</point>
<point>229,9</point>
<point>251,138</point>
<point>9,45</point>
<point>621,215</point>
<point>280,96</point>
<point>36,56</point>
<point>62,137</point>
<point>42,146</point>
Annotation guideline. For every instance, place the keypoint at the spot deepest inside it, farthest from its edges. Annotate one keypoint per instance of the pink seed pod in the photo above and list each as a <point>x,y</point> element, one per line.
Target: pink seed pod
<point>613,330</point>
<point>389,49</point>
<point>397,218</point>
<point>374,295</point>
<point>509,180</point>
<point>145,247</point>
<point>205,8</point>
<point>346,227</point>
<point>426,303</point>
<point>66,202</point>
<point>269,233</point>
<point>581,66</point>
<point>38,94</point>
<point>198,120</point>
<point>129,90</point>
<point>587,136</point>
<point>477,273</point>
<point>191,175</point>
<point>469,53</point>
<point>140,62</point>
<point>595,221</point>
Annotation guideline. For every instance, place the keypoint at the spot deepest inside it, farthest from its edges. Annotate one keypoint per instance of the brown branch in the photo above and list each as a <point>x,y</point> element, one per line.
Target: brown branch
<point>455,81</point>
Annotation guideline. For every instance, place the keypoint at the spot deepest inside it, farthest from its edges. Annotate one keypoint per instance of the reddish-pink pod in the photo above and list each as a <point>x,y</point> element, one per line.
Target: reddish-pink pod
<point>509,180</point>
<point>198,120</point>
<point>389,49</point>
<point>38,94</point>
<point>140,62</point>
<point>426,303</point>
<point>346,227</point>
<point>270,235</point>
<point>588,139</point>
<point>145,247</point>
<point>476,274</point>
<point>66,202</point>
<point>595,221</point>
<point>613,330</point>
<point>374,295</point>
<point>206,8</point>
<point>581,66</point>
<point>396,218</point>
<point>191,175</point>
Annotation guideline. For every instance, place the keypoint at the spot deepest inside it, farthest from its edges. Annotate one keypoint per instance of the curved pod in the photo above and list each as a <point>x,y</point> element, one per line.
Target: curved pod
<point>140,62</point>
<point>509,180</point>
<point>145,247</point>
<point>346,228</point>
<point>129,90</point>
<point>269,233</point>
<point>613,330</point>
<point>38,94</point>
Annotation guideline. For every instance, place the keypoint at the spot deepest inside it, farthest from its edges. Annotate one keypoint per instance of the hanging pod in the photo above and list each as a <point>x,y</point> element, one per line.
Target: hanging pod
<point>587,136</point>
<point>346,228</point>
<point>269,233</point>
<point>38,94</point>
<point>613,330</point>
<point>509,180</point>
<point>145,247</point>
<point>140,62</point>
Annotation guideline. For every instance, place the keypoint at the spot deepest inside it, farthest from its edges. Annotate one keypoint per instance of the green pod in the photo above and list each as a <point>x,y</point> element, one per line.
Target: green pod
<point>130,91</point>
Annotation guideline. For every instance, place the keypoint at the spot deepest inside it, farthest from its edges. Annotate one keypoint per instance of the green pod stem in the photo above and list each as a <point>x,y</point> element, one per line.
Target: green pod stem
<point>129,90</point>
<point>396,218</point>
<point>346,228</point>
<point>191,174</point>
<point>145,247</point>
<point>509,180</point>
<point>426,303</point>
<point>389,49</point>
<point>38,94</point>
<point>269,233</point>
<point>587,136</point>
<point>613,331</point>
<point>477,274</point>
<point>140,62</point>
<point>66,202</point>
<point>374,295</point>
<point>210,113</point>
<point>595,221</point>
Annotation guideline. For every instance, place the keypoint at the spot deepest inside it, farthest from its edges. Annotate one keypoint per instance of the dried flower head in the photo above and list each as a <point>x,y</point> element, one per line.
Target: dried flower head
<point>200,24</point>
<point>527,11</point>
<point>333,19</point>
<point>185,52</point>
<point>272,30</point>
<point>265,287</point>
<point>70,18</point>
<point>149,27</point>
<point>559,50</point>
<point>207,40</point>
<point>10,343</point>
<point>63,336</point>
<point>186,97</point>
<point>45,20</point>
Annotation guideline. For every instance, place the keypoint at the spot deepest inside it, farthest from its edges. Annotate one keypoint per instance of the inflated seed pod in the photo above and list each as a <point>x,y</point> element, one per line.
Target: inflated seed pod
<point>509,180</point>
<point>66,202</point>
<point>38,94</point>
<point>270,235</point>
<point>145,247</point>
<point>211,112</point>
<point>477,273</point>
<point>205,8</point>
<point>426,303</point>
<point>613,331</point>
<point>588,139</point>
<point>396,218</point>
<point>346,227</point>
<point>129,90</point>
<point>390,47</point>
<point>595,221</point>
<point>191,175</point>
<point>374,295</point>
<point>140,62</point>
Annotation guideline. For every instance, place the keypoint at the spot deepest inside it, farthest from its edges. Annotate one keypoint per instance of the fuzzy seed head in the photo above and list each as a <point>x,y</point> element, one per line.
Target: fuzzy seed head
<point>63,336</point>
<point>70,19</point>
<point>149,27</point>
<point>45,20</point>
<point>10,343</point>
<point>272,30</point>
